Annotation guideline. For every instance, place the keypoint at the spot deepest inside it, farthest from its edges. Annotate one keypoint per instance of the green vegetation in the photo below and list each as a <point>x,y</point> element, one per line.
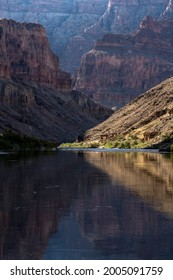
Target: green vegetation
<point>13,141</point>
<point>82,145</point>
<point>125,143</point>
<point>171,148</point>
<point>120,142</point>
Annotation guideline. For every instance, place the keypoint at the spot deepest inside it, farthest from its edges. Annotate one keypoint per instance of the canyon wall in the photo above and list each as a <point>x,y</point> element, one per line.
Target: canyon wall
<point>120,67</point>
<point>73,25</point>
<point>119,17</point>
<point>36,96</point>
<point>62,19</point>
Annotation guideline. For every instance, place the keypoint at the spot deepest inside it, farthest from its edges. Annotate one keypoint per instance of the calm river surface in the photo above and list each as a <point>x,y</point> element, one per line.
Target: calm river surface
<point>86,205</point>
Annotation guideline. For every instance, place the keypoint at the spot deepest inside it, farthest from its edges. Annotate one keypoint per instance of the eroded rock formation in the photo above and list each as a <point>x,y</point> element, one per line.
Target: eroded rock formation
<point>120,67</point>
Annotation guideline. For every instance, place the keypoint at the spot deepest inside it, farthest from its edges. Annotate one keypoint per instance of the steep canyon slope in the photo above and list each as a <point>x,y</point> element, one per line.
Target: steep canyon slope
<point>36,96</point>
<point>148,118</point>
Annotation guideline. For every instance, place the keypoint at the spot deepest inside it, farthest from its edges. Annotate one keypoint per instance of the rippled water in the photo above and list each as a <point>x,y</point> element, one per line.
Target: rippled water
<point>86,205</point>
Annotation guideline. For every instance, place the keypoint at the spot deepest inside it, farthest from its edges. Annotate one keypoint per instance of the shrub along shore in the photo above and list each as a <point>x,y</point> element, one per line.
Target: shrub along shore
<point>14,141</point>
<point>123,143</point>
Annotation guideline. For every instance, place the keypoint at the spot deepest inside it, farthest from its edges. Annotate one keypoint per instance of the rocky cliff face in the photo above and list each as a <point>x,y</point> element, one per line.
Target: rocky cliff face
<point>120,17</point>
<point>26,55</point>
<point>62,19</point>
<point>73,25</point>
<point>148,118</point>
<point>36,96</point>
<point>120,67</point>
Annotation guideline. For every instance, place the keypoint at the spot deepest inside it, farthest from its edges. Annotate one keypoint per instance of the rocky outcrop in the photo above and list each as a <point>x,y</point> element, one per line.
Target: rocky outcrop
<point>120,67</point>
<point>26,55</point>
<point>148,118</point>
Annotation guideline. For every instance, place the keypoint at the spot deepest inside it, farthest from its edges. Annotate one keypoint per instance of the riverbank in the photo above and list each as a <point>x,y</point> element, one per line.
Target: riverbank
<point>121,143</point>
<point>13,141</point>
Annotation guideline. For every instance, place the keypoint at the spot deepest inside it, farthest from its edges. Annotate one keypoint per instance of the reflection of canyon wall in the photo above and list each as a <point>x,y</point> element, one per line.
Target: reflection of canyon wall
<point>109,195</point>
<point>129,217</point>
<point>146,174</point>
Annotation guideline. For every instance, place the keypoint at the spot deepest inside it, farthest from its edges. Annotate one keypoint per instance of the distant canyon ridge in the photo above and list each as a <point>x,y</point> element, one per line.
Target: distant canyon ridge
<point>73,25</point>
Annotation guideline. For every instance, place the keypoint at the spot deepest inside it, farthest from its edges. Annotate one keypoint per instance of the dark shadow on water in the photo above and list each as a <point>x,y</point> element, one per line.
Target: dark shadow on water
<point>86,205</point>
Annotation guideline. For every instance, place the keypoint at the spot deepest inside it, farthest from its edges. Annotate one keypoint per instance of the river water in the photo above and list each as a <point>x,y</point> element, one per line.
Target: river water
<point>86,205</point>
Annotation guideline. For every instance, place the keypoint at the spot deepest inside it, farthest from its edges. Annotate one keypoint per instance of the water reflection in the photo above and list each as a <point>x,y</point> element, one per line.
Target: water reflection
<point>149,175</point>
<point>86,206</point>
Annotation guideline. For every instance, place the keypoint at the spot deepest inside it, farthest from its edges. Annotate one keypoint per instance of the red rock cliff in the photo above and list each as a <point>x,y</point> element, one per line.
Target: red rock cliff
<point>26,55</point>
<point>121,67</point>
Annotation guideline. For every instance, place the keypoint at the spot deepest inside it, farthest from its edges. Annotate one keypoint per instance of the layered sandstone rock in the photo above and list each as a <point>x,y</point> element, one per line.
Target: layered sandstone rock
<point>148,118</point>
<point>26,55</point>
<point>120,67</point>
<point>120,17</point>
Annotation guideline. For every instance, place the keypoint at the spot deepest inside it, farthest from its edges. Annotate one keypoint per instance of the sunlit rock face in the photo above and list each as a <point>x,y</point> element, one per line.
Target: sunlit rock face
<point>148,118</point>
<point>120,67</point>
